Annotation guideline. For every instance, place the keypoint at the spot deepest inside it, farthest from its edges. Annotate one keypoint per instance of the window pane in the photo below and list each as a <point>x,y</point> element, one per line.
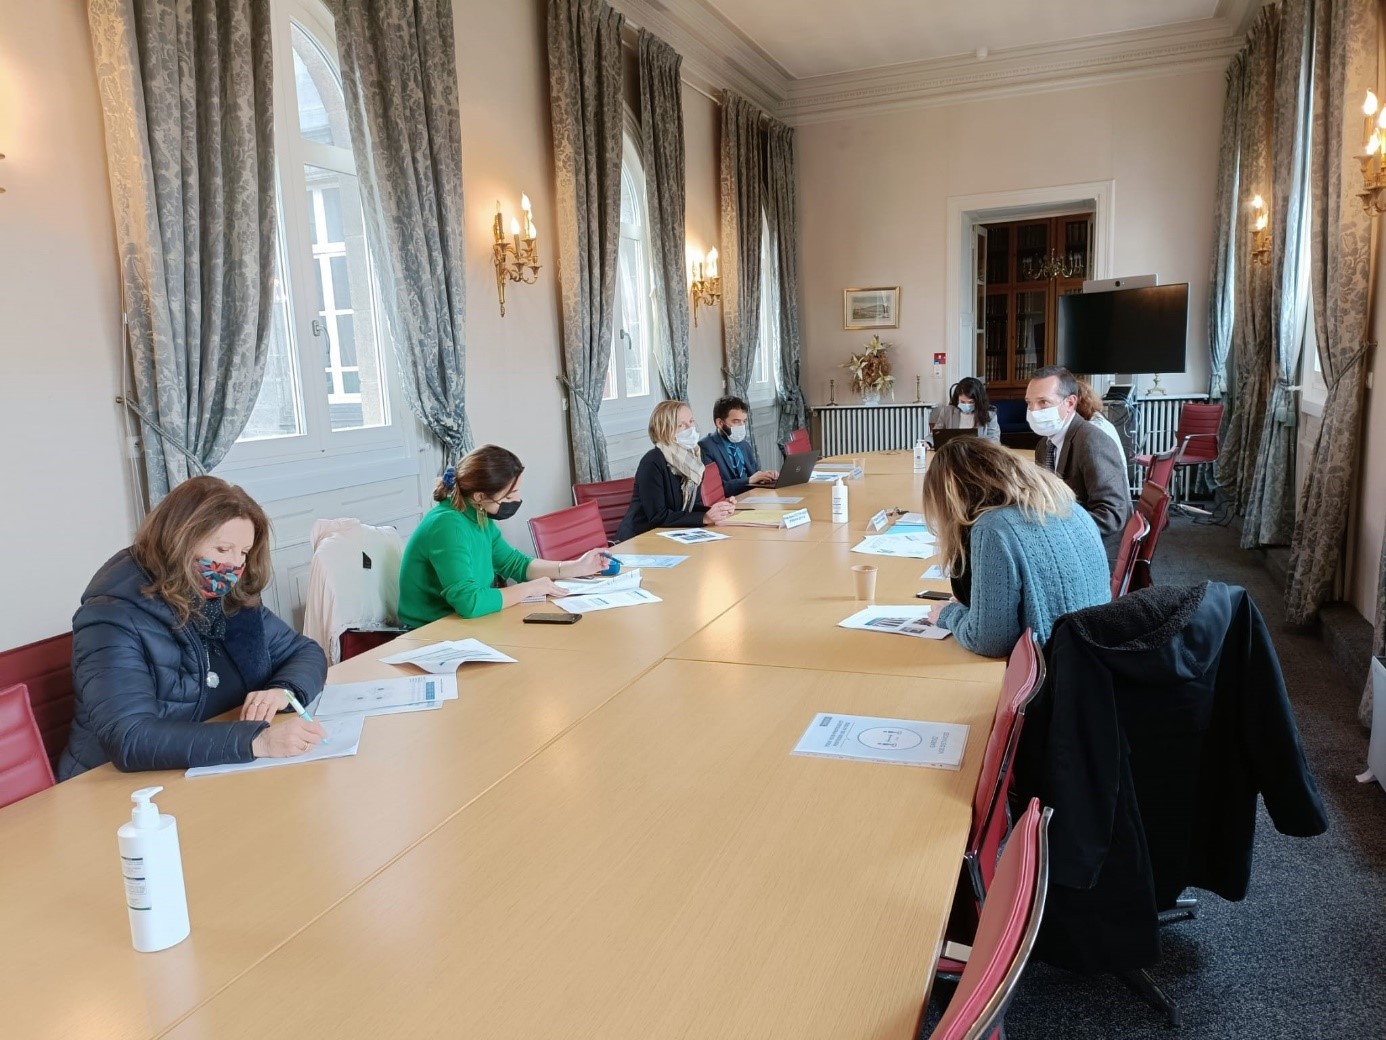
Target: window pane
<point>277,411</point>
<point>321,107</point>
<point>351,335</point>
<point>630,270</point>
<point>630,205</point>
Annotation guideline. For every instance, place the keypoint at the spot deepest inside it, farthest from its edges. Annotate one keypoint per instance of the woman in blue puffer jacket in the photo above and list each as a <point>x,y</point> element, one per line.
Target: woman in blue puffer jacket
<point>171,632</point>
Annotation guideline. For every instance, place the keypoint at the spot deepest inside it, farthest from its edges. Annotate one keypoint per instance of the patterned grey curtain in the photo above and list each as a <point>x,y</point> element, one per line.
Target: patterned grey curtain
<point>1270,515</point>
<point>742,198</point>
<point>1226,210</point>
<point>1345,50</point>
<point>187,97</point>
<point>1251,326</point>
<point>661,132</point>
<point>587,114</point>
<point>399,78</point>
<point>781,176</point>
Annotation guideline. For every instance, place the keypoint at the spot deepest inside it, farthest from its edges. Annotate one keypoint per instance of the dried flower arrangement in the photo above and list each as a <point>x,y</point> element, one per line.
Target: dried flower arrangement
<point>871,369</point>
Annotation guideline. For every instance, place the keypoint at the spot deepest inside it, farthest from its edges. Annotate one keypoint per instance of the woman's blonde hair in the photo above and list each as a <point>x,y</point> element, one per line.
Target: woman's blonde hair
<point>664,421</point>
<point>188,515</point>
<point>970,476</point>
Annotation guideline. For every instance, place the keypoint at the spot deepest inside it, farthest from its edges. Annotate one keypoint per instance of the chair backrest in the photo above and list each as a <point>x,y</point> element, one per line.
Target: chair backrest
<point>353,581</point>
<point>45,668</point>
<point>1024,676</point>
<point>612,498</point>
<point>1201,422</point>
<point>798,443</point>
<point>24,766</point>
<point>1005,935</point>
<point>1131,538</point>
<point>1154,506</point>
<point>568,533</point>
<point>711,488</point>
<point>1161,468</point>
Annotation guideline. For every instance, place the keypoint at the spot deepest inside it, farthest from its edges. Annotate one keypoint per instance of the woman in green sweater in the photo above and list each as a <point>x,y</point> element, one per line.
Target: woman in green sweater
<point>454,555</point>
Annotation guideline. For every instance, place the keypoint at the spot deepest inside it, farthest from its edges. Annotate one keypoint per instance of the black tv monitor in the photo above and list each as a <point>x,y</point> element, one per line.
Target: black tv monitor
<point>1127,330</point>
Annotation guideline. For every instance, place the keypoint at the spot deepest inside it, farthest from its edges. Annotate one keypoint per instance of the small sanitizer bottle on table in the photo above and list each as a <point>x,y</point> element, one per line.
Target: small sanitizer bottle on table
<point>921,455</point>
<point>839,502</point>
<point>152,865</point>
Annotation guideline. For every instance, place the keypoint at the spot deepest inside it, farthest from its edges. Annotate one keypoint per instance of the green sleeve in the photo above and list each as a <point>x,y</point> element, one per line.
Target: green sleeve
<point>506,560</point>
<point>461,558</point>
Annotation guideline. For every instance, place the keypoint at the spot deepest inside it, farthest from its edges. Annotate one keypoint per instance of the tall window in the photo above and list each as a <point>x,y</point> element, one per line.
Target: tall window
<point>327,388</point>
<point>632,383</point>
<point>762,388</point>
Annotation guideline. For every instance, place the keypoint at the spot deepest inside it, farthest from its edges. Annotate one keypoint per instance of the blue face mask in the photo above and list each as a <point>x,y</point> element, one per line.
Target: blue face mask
<point>966,409</point>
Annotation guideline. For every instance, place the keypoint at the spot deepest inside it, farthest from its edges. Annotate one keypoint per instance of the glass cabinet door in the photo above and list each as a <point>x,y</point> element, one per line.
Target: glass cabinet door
<point>1031,333</point>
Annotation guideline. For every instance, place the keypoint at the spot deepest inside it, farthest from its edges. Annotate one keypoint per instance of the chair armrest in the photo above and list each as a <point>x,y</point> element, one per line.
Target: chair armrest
<point>1184,445</point>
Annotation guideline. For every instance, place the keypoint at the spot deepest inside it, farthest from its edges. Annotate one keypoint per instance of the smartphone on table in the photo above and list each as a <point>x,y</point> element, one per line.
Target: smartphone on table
<point>931,594</point>
<point>560,618</point>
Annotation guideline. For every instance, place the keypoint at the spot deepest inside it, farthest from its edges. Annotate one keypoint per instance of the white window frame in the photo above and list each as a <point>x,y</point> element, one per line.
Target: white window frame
<point>621,414</point>
<point>765,365</point>
<point>318,459</point>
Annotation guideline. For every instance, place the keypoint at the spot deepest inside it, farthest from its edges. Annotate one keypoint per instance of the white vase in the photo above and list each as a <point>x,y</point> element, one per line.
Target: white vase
<point>871,397</point>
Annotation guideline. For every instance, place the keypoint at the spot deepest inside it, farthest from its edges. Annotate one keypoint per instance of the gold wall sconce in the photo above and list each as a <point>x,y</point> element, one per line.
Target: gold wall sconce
<point>2,190</point>
<point>517,259</point>
<point>1373,193</point>
<point>1260,233</point>
<point>704,284</point>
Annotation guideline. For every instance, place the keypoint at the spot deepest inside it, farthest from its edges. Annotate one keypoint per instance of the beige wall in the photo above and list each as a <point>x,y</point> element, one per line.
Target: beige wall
<point>67,499</point>
<point>1371,516</point>
<point>874,196</point>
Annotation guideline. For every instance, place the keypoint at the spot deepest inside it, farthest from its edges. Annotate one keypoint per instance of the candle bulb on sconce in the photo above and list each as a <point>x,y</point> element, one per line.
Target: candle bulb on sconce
<point>516,260</point>
<point>1260,236</point>
<point>705,288</point>
<point>1373,157</point>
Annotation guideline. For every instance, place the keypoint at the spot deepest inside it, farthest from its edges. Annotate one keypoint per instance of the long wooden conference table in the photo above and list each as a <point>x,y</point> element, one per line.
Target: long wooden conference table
<point>608,839</point>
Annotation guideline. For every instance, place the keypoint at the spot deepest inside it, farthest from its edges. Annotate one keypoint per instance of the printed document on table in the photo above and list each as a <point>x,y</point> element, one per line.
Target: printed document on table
<point>587,604</point>
<point>897,621</point>
<point>693,535</point>
<point>651,561</point>
<point>767,500</point>
<point>385,694</point>
<point>916,546</point>
<point>343,739</point>
<point>826,478</point>
<point>755,518</point>
<point>616,583</point>
<point>446,657</point>
<point>911,519</point>
<point>934,573</point>
<point>870,739</point>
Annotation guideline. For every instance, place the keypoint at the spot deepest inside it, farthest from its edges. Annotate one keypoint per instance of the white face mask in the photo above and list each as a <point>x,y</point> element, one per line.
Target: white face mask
<point>966,409</point>
<point>687,438</point>
<point>1045,421</point>
<point>736,434</point>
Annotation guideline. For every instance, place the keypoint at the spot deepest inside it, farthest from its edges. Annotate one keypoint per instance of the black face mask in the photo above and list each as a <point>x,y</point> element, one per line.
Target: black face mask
<point>507,509</point>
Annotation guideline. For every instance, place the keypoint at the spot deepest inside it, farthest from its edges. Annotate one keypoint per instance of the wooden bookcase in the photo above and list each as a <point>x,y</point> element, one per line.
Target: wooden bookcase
<point>1017,324</point>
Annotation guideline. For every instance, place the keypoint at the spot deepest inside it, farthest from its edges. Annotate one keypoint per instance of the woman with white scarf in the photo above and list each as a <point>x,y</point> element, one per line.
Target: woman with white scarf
<point>668,481</point>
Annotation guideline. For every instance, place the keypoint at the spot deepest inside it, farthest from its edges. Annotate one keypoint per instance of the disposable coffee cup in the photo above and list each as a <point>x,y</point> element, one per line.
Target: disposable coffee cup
<point>865,576</point>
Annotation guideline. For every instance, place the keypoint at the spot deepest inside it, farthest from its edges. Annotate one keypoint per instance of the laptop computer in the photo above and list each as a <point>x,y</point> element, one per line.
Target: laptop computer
<point>796,469</point>
<point>942,437</point>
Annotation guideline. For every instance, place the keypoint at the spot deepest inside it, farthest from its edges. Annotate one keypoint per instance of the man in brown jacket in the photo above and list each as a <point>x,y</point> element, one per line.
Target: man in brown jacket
<point>1084,457</point>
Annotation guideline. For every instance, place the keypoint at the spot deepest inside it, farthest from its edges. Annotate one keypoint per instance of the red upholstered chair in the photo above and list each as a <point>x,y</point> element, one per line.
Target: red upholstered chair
<point>1006,935</point>
<point>45,668</point>
<point>711,487</point>
<point>1160,467</point>
<point>568,533</point>
<point>1154,506</point>
<point>612,498</point>
<point>24,768</point>
<point>798,443</point>
<point>1131,540</point>
<point>1195,438</point>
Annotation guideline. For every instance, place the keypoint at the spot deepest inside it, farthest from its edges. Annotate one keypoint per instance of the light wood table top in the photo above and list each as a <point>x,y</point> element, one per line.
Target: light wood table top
<point>669,868</point>
<point>792,622</point>
<point>264,853</point>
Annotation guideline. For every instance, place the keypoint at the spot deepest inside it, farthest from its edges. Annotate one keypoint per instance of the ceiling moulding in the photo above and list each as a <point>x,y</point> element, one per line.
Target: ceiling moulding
<point>716,55</point>
<point>1209,43</point>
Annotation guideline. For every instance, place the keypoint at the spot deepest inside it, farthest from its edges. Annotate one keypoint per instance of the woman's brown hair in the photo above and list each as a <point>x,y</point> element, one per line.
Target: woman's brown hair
<point>489,470</point>
<point>970,476</point>
<point>1089,404</point>
<point>188,515</point>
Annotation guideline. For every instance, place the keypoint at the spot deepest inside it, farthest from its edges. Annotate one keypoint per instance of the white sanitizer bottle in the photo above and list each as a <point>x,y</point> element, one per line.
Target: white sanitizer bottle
<point>921,455</point>
<point>839,502</point>
<point>153,868</point>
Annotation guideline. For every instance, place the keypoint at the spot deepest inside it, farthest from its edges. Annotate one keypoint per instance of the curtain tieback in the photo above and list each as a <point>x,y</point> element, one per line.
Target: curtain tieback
<point>164,435</point>
<point>579,394</point>
<point>1357,355</point>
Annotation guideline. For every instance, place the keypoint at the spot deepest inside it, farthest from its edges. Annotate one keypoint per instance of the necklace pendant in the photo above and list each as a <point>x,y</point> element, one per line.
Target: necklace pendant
<point>213,680</point>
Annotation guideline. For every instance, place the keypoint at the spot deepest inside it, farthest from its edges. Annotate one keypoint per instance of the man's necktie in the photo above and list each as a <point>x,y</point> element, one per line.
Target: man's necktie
<point>1051,457</point>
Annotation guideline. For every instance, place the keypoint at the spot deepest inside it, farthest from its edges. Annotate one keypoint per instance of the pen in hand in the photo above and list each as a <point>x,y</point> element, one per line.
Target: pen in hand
<point>300,710</point>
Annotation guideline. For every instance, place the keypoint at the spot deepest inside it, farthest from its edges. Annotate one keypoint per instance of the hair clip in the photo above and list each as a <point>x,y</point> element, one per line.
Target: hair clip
<point>449,478</point>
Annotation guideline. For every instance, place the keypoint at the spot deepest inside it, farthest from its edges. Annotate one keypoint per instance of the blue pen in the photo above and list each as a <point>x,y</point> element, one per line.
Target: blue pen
<point>300,709</point>
<point>613,565</point>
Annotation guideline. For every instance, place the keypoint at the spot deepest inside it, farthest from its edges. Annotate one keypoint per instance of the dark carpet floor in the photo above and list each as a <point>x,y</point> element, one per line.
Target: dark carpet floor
<point>1303,957</point>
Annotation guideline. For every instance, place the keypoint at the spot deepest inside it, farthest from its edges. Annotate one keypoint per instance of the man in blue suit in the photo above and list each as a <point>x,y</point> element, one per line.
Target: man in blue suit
<point>729,446</point>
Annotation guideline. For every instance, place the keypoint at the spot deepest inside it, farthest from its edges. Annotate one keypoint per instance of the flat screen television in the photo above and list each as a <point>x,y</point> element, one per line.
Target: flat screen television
<point>1127,330</point>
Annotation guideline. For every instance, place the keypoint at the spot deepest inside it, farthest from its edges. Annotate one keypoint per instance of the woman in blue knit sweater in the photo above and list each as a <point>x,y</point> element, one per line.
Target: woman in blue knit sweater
<point>1020,551</point>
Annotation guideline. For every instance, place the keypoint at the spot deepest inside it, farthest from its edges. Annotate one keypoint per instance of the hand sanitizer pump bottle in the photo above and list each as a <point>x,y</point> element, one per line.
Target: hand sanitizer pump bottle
<point>839,502</point>
<point>921,455</point>
<point>152,865</point>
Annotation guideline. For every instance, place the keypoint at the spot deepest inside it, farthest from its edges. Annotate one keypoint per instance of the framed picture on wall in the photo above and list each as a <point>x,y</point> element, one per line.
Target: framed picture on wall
<point>877,308</point>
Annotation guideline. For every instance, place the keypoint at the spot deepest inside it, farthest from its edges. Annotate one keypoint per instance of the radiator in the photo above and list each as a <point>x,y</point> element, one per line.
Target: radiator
<point>1150,429</point>
<point>848,429</point>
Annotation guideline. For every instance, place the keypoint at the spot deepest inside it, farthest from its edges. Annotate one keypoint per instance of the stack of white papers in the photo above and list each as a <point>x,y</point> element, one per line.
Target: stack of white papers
<point>901,741</point>
<point>693,535</point>
<point>385,696</point>
<point>446,657</point>
<point>343,739</point>
<point>917,545</point>
<point>623,582</point>
<point>639,560</point>
<point>899,621</point>
<point>606,601</point>
<point>767,500</point>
